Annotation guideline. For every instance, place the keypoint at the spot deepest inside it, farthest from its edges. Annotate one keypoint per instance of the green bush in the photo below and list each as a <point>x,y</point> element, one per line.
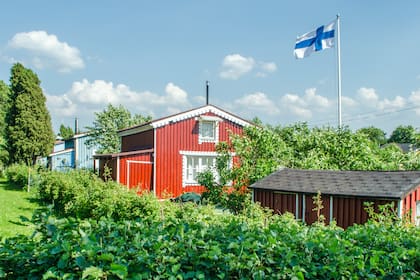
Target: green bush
<point>23,176</point>
<point>195,243</point>
<point>80,193</point>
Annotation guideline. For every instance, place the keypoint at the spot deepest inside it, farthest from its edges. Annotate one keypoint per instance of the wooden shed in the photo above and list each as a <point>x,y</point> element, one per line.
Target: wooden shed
<point>164,156</point>
<point>343,193</point>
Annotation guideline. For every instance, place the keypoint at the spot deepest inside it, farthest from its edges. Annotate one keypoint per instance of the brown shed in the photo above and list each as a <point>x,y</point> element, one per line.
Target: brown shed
<point>343,193</point>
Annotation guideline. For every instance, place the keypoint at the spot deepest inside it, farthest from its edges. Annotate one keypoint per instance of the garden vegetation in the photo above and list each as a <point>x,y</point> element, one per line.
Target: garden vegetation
<point>99,230</point>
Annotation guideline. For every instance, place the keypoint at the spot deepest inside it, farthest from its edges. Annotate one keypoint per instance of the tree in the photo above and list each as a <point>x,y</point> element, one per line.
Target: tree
<point>375,134</point>
<point>4,105</point>
<point>66,132</point>
<point>104,131</point>
<point>403,134</point>
<point>29,130</point>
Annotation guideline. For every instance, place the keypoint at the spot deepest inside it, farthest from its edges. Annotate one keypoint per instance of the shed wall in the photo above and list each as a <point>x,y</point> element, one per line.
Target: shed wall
<point>409,204</point>
<point>346,211</point>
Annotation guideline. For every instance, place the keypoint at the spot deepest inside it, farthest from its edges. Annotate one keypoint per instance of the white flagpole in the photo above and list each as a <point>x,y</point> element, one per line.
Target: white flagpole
<point>339,71</point>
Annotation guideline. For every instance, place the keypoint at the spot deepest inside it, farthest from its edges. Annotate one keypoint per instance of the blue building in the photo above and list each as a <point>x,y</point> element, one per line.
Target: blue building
<point>72,153</point>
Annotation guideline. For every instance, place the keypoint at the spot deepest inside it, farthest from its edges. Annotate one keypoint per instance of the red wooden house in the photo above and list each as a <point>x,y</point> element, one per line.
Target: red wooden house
<point>165,155</point>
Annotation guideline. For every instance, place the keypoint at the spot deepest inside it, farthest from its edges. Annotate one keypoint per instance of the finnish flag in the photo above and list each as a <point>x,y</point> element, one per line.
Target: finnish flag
<point>317,40</point>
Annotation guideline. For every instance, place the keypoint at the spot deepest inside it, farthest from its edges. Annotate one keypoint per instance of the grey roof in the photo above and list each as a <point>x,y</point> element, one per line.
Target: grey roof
<point>381,184</point>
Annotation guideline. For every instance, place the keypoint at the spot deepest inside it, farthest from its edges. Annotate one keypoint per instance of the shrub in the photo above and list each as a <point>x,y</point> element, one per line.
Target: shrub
<point>23,176</point>
<point>80,193</point>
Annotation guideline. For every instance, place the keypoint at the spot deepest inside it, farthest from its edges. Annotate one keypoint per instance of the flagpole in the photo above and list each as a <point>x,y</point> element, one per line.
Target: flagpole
<point>339,71</point>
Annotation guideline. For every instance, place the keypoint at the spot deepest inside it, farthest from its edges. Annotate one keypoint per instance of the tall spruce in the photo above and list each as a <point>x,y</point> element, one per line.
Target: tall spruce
<point>29,132</point>
<point>4,103</point>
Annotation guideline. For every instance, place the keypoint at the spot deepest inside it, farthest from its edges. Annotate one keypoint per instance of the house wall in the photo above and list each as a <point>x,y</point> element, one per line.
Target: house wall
<point>138,141</point>
<point>83,153</point>
<point>62,161</point>
<point>181,136</point>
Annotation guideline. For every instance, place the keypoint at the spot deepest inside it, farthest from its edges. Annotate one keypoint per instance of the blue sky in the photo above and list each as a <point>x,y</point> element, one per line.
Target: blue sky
<point>154,57</point>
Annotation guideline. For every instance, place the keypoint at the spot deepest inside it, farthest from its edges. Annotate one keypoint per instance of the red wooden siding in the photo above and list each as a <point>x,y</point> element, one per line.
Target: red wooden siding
<point>351,210</point>
<point>346,211</point>
<point>138,141</point>
<point>182,136</point>
<point>409,203</point>
<point>136,171</point>
<point>311,215</point>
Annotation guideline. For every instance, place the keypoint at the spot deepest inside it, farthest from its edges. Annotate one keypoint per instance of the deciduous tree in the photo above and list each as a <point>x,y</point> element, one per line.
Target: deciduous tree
<point>104,131</point>
<point>66,132</point>
<point>403,134</point>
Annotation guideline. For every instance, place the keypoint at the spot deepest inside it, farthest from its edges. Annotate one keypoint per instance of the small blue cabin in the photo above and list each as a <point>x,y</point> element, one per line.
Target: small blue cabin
<point>72,153</point>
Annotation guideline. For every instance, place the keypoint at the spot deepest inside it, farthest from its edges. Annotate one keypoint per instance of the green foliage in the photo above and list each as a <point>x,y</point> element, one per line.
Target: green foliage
<point>4,107</point>
<point>221,192</point>
<point>29,131</point>
<point>80,193</point>
<point>66,132</point>
<point>403,134</point>
<point>262,150</point>
<point>23,176</point>
<point>194,243</point>
<point>106,125</point>
<point>374,134</point>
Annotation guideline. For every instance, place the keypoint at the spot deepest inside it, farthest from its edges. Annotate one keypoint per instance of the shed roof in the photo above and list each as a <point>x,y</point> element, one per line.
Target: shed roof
<point>381,184</point>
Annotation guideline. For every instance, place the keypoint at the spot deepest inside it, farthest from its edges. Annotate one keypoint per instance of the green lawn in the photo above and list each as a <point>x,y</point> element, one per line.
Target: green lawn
<point>14,203</point>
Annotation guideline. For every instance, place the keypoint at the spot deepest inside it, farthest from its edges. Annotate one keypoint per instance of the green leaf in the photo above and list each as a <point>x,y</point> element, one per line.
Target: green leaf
<point>92,271</point>
<point>119,270</point>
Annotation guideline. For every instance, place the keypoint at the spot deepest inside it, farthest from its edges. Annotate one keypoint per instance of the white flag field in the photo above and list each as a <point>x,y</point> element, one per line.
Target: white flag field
<point>317,40</point>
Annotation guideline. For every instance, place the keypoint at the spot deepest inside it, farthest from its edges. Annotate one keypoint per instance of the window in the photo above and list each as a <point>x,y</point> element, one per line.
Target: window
<point>208,129</point>
<point>194,164</point>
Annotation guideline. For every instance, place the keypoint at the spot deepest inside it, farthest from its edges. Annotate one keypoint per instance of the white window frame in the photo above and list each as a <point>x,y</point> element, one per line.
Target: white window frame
<point>208,120</point>
<point>186,178</point>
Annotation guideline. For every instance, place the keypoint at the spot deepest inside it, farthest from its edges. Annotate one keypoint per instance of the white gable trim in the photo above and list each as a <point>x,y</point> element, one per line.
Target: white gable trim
<point>196,113</point>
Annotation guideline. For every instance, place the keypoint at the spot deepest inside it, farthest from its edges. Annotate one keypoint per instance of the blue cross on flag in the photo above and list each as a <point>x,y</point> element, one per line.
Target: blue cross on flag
<point>317,40</point>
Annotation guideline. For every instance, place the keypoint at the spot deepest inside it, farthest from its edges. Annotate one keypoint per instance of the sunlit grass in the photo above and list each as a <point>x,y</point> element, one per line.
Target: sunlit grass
<point>14,203</point>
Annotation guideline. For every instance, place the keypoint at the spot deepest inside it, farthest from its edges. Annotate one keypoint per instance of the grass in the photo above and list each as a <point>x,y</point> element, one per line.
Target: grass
<point>14,203</point>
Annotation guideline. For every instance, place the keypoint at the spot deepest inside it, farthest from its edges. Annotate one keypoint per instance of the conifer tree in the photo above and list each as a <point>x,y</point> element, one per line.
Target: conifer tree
<point>29,131</point>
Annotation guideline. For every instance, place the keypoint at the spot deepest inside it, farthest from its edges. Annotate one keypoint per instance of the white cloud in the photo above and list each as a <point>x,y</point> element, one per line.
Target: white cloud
<point>368,95</point>
<point>268,67</point>
<point>304,106</point>
<point>84,98</point>
<point>347,101</point>
<point>46,51</point>
<point>234,66</point>
<point>397,103</point>
<point>415,99</point>
<point>315,100</point>
<point>257,102</point>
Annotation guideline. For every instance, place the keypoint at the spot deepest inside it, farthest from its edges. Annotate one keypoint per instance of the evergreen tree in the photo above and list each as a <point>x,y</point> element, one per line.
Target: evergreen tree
<point>29,130</point>
<point>4,103</point>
